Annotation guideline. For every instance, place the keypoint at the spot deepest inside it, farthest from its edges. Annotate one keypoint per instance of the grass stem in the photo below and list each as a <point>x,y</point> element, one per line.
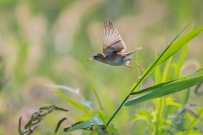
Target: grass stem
<point>119,107</point>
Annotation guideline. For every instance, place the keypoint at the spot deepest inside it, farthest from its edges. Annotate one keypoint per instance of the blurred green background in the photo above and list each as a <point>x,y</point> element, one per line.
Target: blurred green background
<point>48,42</point>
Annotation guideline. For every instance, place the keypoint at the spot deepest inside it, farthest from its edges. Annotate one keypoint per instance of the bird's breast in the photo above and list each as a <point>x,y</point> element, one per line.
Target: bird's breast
<point>117,60</point>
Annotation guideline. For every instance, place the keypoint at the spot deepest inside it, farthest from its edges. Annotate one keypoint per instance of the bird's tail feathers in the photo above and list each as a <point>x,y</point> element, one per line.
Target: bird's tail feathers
<point>137,49</point>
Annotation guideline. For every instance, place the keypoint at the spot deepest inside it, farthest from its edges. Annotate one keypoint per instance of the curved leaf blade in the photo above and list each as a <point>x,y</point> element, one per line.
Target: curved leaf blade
<point>165,90</point>
<point>152,87</point>
<point>96,95</point>
<point>93,121</point>
<point>174,47</point>
<point>72,102</point>
<point>163,83</point>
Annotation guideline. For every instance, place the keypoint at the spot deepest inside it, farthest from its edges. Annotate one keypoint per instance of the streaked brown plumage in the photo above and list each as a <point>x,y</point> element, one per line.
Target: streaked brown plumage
<point>114,49</point>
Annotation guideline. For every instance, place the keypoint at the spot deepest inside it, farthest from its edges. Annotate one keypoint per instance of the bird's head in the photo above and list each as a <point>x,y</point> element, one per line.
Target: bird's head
<point>98,57</point>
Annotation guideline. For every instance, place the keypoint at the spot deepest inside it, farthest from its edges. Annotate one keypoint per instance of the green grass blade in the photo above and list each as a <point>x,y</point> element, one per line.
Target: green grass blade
<point>165,90</point>
<point>157,75</point>
<point>93,121</point>
<point>165,73</point>
<point>195,72</point>
<point>186,96</point>
<point>162,84</point>
<point>72,102</point>
<point>157,72</point>
<point>151,88</point>
<point>174,47</point>
<point>182,56</point>
<point>96,95</point>
<point>169,51</point>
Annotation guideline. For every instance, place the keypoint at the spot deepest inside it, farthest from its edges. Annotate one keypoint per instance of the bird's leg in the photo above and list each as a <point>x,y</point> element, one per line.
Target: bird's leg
<point>128,66</point>
<point>137,65</point>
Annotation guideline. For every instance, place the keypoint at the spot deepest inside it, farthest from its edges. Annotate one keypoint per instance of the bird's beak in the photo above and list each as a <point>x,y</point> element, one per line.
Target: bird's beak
<point>91,58</point>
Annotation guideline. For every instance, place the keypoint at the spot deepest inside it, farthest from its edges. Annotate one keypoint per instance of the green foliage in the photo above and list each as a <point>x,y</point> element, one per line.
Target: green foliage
<point>157,119</point>
<point>93,121</point>
<point>75,104</point>
<point>96,95</point>
<point>48,42</point>
<point>91,118</point>
<point>169,88</point>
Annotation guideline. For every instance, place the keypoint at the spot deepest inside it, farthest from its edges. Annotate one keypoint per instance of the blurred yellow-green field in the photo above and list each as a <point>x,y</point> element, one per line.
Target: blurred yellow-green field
<point>47,42</point>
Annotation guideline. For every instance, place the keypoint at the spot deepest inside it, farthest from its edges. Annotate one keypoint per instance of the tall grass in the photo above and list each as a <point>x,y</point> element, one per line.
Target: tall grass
<point>158,120</point>
<point>47,43</point>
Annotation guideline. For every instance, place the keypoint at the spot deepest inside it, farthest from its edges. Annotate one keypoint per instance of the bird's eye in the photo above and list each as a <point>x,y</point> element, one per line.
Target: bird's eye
<point>96,56</point>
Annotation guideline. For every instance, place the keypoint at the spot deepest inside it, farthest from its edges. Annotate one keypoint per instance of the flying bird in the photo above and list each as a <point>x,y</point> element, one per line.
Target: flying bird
<point>114,49</point>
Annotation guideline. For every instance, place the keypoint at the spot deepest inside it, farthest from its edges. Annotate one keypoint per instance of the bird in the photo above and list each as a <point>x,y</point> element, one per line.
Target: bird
<point>114,49</point>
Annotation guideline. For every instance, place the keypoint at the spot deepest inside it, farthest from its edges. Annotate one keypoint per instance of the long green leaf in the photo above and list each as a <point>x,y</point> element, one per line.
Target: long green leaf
<point>166,69</point>
<point>152,87</point>
<point>165,90</point>
<point>93,121</point>
<point>182,56</point>
<point>157,73</point>
<point>164,83</point>
<point>174,47</point>
<point>72,102</point>
<point>170,50</point>
<point>96,95</point>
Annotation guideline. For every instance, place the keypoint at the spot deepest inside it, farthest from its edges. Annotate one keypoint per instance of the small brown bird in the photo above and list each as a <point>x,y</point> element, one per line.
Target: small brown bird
<point>114,49</point>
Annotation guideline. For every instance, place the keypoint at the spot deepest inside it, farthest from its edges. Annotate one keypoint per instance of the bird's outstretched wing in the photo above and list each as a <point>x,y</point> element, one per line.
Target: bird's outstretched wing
<point>112,41</point>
